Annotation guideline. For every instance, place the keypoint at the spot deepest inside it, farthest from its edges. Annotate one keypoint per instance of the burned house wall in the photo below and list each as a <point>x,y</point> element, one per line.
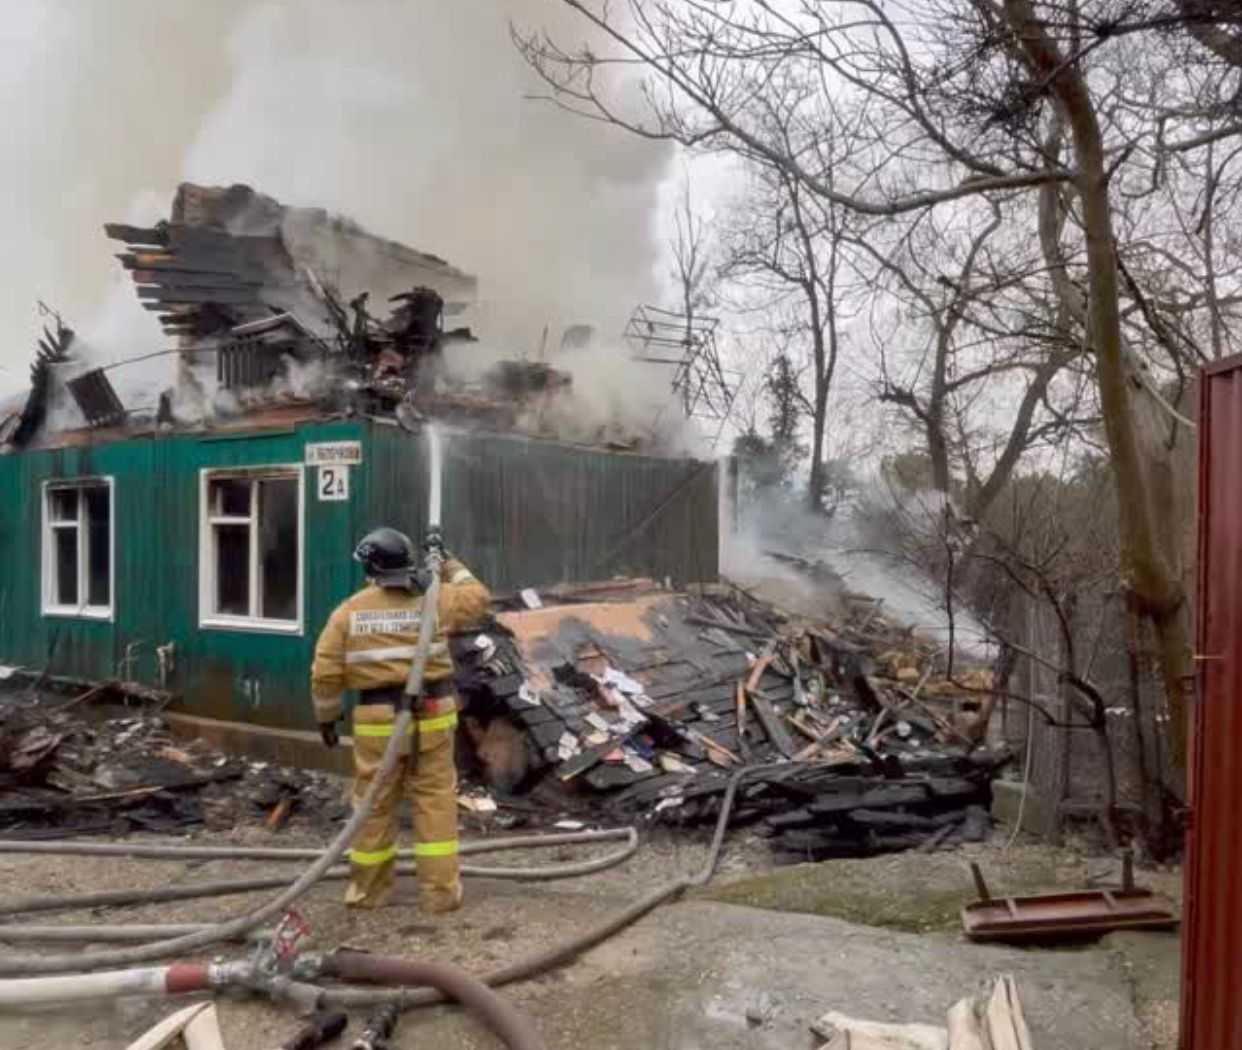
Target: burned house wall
<point>531,513</point>
<point>521,512</point>
<point>242,675</point>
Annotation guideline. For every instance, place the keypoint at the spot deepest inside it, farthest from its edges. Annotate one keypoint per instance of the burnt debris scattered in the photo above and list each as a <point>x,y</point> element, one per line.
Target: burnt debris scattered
<point>638,701</point>
<point>62,775</point>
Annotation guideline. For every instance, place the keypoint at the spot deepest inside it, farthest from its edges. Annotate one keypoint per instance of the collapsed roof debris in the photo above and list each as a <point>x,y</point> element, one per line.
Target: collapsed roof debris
<point>19,428</point>
<point>270,305</point>
<point>646,700</point>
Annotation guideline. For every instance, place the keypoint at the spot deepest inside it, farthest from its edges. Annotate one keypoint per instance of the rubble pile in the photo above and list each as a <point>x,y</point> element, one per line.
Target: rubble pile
<point>646,701</point>
<point>60,775</point>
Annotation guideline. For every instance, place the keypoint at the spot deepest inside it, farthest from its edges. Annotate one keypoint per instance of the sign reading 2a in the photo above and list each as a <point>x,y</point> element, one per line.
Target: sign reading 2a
<point>333,484</point>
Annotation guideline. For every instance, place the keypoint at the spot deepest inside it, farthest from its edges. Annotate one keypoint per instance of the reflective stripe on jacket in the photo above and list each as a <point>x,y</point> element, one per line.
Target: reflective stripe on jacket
<point>370,639</point>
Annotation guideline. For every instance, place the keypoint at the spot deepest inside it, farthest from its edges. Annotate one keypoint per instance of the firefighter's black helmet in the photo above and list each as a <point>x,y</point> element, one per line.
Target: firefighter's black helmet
<point>388,557</point>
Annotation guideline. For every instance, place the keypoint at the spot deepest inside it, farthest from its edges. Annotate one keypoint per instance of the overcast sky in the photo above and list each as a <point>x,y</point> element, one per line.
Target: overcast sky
<point>405,114</point>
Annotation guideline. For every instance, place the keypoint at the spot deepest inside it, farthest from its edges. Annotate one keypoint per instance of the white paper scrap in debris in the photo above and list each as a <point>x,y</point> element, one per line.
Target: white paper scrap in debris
<point>531,599</point>
<point>528,695</point>
<point>484,644</point>
<point>630,715</point>
<point>477,803</point>
<point>569,825</point>
<point>673,764</point>
<point>636,762</point>
<point>597,721</point>
<point>567,746</point>
<point>7,672</point>
<point>622,681</point>
<point>668,803</point>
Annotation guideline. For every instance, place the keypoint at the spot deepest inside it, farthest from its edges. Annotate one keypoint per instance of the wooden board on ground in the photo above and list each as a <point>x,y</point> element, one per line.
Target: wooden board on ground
<point>965,1031</point>
<point>876,1035</point>
<point>1006,1025</point>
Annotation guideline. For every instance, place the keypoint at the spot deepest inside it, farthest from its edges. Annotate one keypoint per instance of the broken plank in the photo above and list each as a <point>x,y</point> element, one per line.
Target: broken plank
<point>164,296</point>
<point>119,231</point>
<point>739,703</point>
<point>168,264</point>
<point>190,279</point>
<point>1006,1025</point>
<point>796,721</point>
<point>965,1031</point>
<point>714,748</point>
<point>761,665</point>
<point>591,757</point>
<point>701,621</point>
<point>884,1035</point>
<point>829,736</point>
<point>772,726</point>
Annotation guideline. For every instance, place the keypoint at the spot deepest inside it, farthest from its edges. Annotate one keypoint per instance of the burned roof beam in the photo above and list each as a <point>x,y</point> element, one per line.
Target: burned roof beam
<point>198,294</point>
<point>153,235</point>
<point>190,279</point>
<point>168,263</point>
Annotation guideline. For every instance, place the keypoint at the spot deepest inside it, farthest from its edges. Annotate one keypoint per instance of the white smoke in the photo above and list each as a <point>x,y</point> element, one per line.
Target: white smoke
<point>857,554</point>
<point>612,399</point>
<point>411,116</point>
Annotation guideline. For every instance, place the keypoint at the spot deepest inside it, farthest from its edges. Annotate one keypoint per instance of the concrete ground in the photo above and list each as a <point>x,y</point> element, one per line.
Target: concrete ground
<point>685,976</point>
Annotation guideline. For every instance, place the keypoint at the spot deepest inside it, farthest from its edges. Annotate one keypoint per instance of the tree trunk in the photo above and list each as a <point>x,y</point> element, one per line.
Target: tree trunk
<point>819,425</point>
<point>1146,568</point>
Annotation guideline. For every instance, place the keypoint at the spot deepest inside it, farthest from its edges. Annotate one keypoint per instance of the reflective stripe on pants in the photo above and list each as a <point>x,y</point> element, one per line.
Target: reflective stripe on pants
<point>429,781</point>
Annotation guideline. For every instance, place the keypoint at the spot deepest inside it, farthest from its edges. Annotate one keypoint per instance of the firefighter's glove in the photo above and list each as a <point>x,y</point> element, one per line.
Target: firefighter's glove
<point>327,730</point>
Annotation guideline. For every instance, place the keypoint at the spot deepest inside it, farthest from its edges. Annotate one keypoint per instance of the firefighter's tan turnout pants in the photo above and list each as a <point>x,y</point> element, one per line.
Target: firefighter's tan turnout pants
<point>427,776</point>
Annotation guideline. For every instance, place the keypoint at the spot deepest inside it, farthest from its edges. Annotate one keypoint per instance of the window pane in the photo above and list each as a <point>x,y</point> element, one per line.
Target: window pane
<point>278,548</point>
<point>230,498</point>
<point>63,504</point>
<point>98,545</point>
<point>65,566</point>
<point>233,569</point>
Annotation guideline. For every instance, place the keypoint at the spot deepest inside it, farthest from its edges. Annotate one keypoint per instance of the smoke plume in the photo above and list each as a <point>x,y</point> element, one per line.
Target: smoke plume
<point>410,116</point>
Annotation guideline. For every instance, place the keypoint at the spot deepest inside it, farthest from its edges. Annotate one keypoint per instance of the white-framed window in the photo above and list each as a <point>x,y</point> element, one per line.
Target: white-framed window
<point>78,546</point>
<point>251,549</point>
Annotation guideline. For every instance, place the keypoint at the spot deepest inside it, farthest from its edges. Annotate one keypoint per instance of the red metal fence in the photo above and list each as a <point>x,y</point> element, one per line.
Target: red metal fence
<point>1212,928</point>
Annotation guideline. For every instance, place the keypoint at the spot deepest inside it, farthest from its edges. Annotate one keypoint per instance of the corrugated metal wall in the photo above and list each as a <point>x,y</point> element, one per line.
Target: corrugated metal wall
<point>1212,924</point>
<point>535,513</point>
<point>522,513</point>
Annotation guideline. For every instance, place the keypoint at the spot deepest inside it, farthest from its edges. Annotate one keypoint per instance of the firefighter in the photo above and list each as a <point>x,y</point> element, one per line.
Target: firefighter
<point>368,644</point>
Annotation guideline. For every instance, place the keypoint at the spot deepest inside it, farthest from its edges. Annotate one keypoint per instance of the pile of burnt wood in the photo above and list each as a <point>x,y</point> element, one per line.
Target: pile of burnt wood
<point>644,703</point>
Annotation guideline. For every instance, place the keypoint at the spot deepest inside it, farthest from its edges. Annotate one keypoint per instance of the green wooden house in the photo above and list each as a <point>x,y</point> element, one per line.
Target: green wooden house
<point>205,562</point>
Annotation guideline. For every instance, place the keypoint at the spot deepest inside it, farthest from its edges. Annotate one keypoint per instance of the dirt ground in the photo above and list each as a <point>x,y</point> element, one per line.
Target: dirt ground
<point>874,938</point>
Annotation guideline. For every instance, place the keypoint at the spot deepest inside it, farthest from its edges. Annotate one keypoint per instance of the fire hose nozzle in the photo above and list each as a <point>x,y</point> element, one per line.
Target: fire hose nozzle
<point>380,1025</point>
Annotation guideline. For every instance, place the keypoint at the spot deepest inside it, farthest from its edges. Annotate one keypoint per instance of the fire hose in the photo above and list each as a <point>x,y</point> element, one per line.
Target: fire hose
<point>421,983</point>
<point>119,898</point>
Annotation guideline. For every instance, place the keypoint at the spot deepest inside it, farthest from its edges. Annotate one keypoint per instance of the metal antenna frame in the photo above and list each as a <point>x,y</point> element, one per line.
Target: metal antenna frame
<point>687,345</point>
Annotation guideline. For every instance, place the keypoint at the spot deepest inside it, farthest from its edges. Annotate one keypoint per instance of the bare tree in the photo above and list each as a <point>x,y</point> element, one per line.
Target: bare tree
<point>983,322</point>
<point>690,247</point>
<point>785,248</point>
<point>958,98</point>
